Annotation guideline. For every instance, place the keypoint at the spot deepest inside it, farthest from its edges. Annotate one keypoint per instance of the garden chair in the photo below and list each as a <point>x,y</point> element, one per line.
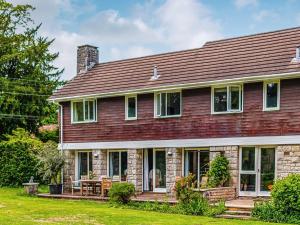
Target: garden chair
<point>105,186</point>
<point>74,184</point>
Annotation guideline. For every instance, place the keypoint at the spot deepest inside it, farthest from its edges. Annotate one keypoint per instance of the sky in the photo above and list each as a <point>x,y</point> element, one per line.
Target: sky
<point>132,28</point>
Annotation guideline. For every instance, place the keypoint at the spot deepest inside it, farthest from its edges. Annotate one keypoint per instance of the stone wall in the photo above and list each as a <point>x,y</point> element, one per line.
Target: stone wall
<point>232,154</point>
<point>135,168</point>
<point>288,160</point>
<point>174,167</point>
<point>100,162</point>
<point>218,194</point>
<point>69,168</point>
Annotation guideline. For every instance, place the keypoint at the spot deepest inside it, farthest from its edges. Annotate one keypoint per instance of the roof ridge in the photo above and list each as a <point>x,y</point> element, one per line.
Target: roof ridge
<point>251,35</point>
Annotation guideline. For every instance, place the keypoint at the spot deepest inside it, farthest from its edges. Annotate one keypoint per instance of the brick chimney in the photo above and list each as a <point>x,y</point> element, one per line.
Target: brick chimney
<point>87,57</point>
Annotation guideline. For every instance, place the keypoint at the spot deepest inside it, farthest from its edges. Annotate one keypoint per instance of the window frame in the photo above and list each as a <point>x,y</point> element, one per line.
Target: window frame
<point>126,107</point>
<point>120,161</point>
<point>265,108</point>
<point>155,104</point>
<point>227,86</point>
<point>83,101</point>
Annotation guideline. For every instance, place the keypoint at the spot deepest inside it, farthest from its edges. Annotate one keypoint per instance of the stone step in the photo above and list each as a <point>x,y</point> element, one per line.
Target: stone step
<point>244,209</point>
<point>238,212</point>
<point>229,216</point>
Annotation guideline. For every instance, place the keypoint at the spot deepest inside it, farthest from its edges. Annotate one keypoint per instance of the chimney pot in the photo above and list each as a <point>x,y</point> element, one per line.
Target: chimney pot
<point>87,57</point>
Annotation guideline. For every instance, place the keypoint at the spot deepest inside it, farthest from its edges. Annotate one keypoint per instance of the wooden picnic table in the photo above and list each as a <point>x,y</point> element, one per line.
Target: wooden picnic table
<point>87,184</point>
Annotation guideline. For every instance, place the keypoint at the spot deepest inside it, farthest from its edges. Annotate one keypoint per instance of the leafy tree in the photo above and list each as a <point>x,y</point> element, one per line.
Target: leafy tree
<point>27,74</point>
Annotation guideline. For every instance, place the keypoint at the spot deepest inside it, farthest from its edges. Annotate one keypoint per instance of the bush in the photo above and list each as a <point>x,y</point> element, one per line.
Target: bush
<point>183,189</point>
<point>121,192</point>
<point>286,194</point>
<point>18,158</point>
<point>267,212</point>
<point>51,163</point>
<point>48,135</point>
<point>285,202</point>
<point>218,174</point>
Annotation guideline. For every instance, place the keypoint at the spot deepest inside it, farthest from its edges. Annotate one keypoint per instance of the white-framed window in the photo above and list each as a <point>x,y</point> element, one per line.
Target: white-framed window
<point>84,164</point>
<point>84,110</point>
<point>117,164</point>
<point>167,104</point>
<point>271,99</point>
<point>131,107</point>
<point>227,99</point>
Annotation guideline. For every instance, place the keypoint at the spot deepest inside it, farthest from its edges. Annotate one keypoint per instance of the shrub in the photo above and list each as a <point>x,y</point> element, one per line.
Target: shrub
<point>51,163</point>
<point>121,192</point>
<point>183,188</point>
<point>18,158</point>
<point>286,194</point>
<point>285,202</point>
<point>218,174</point>
<point>48,135</point>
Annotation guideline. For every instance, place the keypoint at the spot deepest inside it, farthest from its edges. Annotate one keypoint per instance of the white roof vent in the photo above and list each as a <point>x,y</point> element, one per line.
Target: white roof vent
<point>155,74</point>
<point>297,56</point>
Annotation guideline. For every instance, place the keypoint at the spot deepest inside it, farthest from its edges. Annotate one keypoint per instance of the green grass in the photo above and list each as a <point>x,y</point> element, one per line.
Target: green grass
<point>17,208</point>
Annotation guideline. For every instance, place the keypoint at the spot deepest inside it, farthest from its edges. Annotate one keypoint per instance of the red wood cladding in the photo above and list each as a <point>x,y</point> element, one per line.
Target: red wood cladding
<point>196,120</point>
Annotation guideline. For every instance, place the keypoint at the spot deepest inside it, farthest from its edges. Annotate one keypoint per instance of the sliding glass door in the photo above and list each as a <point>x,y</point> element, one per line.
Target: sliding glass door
<point>117,165</point>
<point>159,171</point>
<point>196,162</point>
<point>85,165</point>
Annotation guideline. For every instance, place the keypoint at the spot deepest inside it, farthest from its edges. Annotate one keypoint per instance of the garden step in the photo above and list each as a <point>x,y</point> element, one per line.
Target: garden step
<point>238,212</point>
<point>244,209</point>
<point>229,216</point>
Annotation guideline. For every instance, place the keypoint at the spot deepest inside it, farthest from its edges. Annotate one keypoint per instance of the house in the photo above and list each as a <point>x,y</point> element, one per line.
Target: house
<point>151,119</point>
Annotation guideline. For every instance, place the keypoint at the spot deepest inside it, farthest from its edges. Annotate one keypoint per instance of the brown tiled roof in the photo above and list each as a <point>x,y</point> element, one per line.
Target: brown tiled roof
<point>253,55</point>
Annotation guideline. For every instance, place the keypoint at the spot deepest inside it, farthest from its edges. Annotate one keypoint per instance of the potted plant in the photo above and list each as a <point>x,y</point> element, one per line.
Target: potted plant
<point>52,162</point>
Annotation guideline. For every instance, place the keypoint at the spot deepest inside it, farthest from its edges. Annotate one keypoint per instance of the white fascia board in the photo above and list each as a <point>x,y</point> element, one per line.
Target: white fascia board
<point>177,143</point>
<point>183,86</point>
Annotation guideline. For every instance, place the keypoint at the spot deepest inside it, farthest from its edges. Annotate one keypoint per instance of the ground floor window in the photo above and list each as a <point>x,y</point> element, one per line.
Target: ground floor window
<point>196,161</point>
<point>117,165</point>
<point>85,164</point>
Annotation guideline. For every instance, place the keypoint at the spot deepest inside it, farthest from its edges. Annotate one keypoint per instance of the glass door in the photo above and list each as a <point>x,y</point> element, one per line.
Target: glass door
<point>257,171</point>
<point>159,170</point>
<point>266,170</point>
<point>248,171</point>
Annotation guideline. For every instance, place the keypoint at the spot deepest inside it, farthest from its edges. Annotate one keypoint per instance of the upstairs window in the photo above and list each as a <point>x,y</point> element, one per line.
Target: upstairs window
<point>168,104</point>
<point>131,107</point>
<point>271,95</point>
<point>227,99</point>
<point>84,110</point>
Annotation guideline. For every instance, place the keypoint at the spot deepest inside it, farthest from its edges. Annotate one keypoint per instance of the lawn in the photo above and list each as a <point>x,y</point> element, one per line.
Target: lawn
<point>16,208</point>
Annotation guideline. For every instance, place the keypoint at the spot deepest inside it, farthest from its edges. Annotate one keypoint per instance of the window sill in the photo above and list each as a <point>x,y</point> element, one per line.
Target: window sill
<point>82,122</point>
<point>232,112</point>
<point>271,109</point>
<point>130,119</point>
<point>165,117</point>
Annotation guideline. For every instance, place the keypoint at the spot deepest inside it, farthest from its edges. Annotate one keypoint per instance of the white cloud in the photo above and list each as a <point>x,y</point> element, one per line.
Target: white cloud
<point>244,3</point>
<point>265,15</point>
<point>148,29</point>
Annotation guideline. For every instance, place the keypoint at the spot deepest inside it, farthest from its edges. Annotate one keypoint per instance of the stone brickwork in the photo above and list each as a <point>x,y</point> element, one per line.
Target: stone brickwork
<point>288,160</point>
<point>69,168</point>
<point>232,154</point>
<point>218,194</point>
<point>135,168</point>
<point>100,162</point>
<point>87,55</point>
<point>174,167</point>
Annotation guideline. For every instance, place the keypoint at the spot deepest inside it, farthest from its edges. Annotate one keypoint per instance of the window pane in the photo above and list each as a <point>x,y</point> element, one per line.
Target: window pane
<point>272,95</point>
<point>123,166</point>
<point>248,182</point>
<point>158,104</point>
<point>90,162</point>
<point>163,104</point>
<point>91,110</point>
<point>267,169</point>
<point>235,98</point>
<point>114,164</point>
<point>131,107</point>
<point>86,110</point>
<point>220,99</point>
<point>173,104</point>
<point>78,111</point>
<point>248,159</point>
<point>191,163</point>
<point>204,163</point>
<point>82,161</point>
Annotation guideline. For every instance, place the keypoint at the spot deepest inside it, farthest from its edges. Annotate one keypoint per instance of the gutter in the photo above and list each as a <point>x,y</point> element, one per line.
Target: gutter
<point>184,86</point>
